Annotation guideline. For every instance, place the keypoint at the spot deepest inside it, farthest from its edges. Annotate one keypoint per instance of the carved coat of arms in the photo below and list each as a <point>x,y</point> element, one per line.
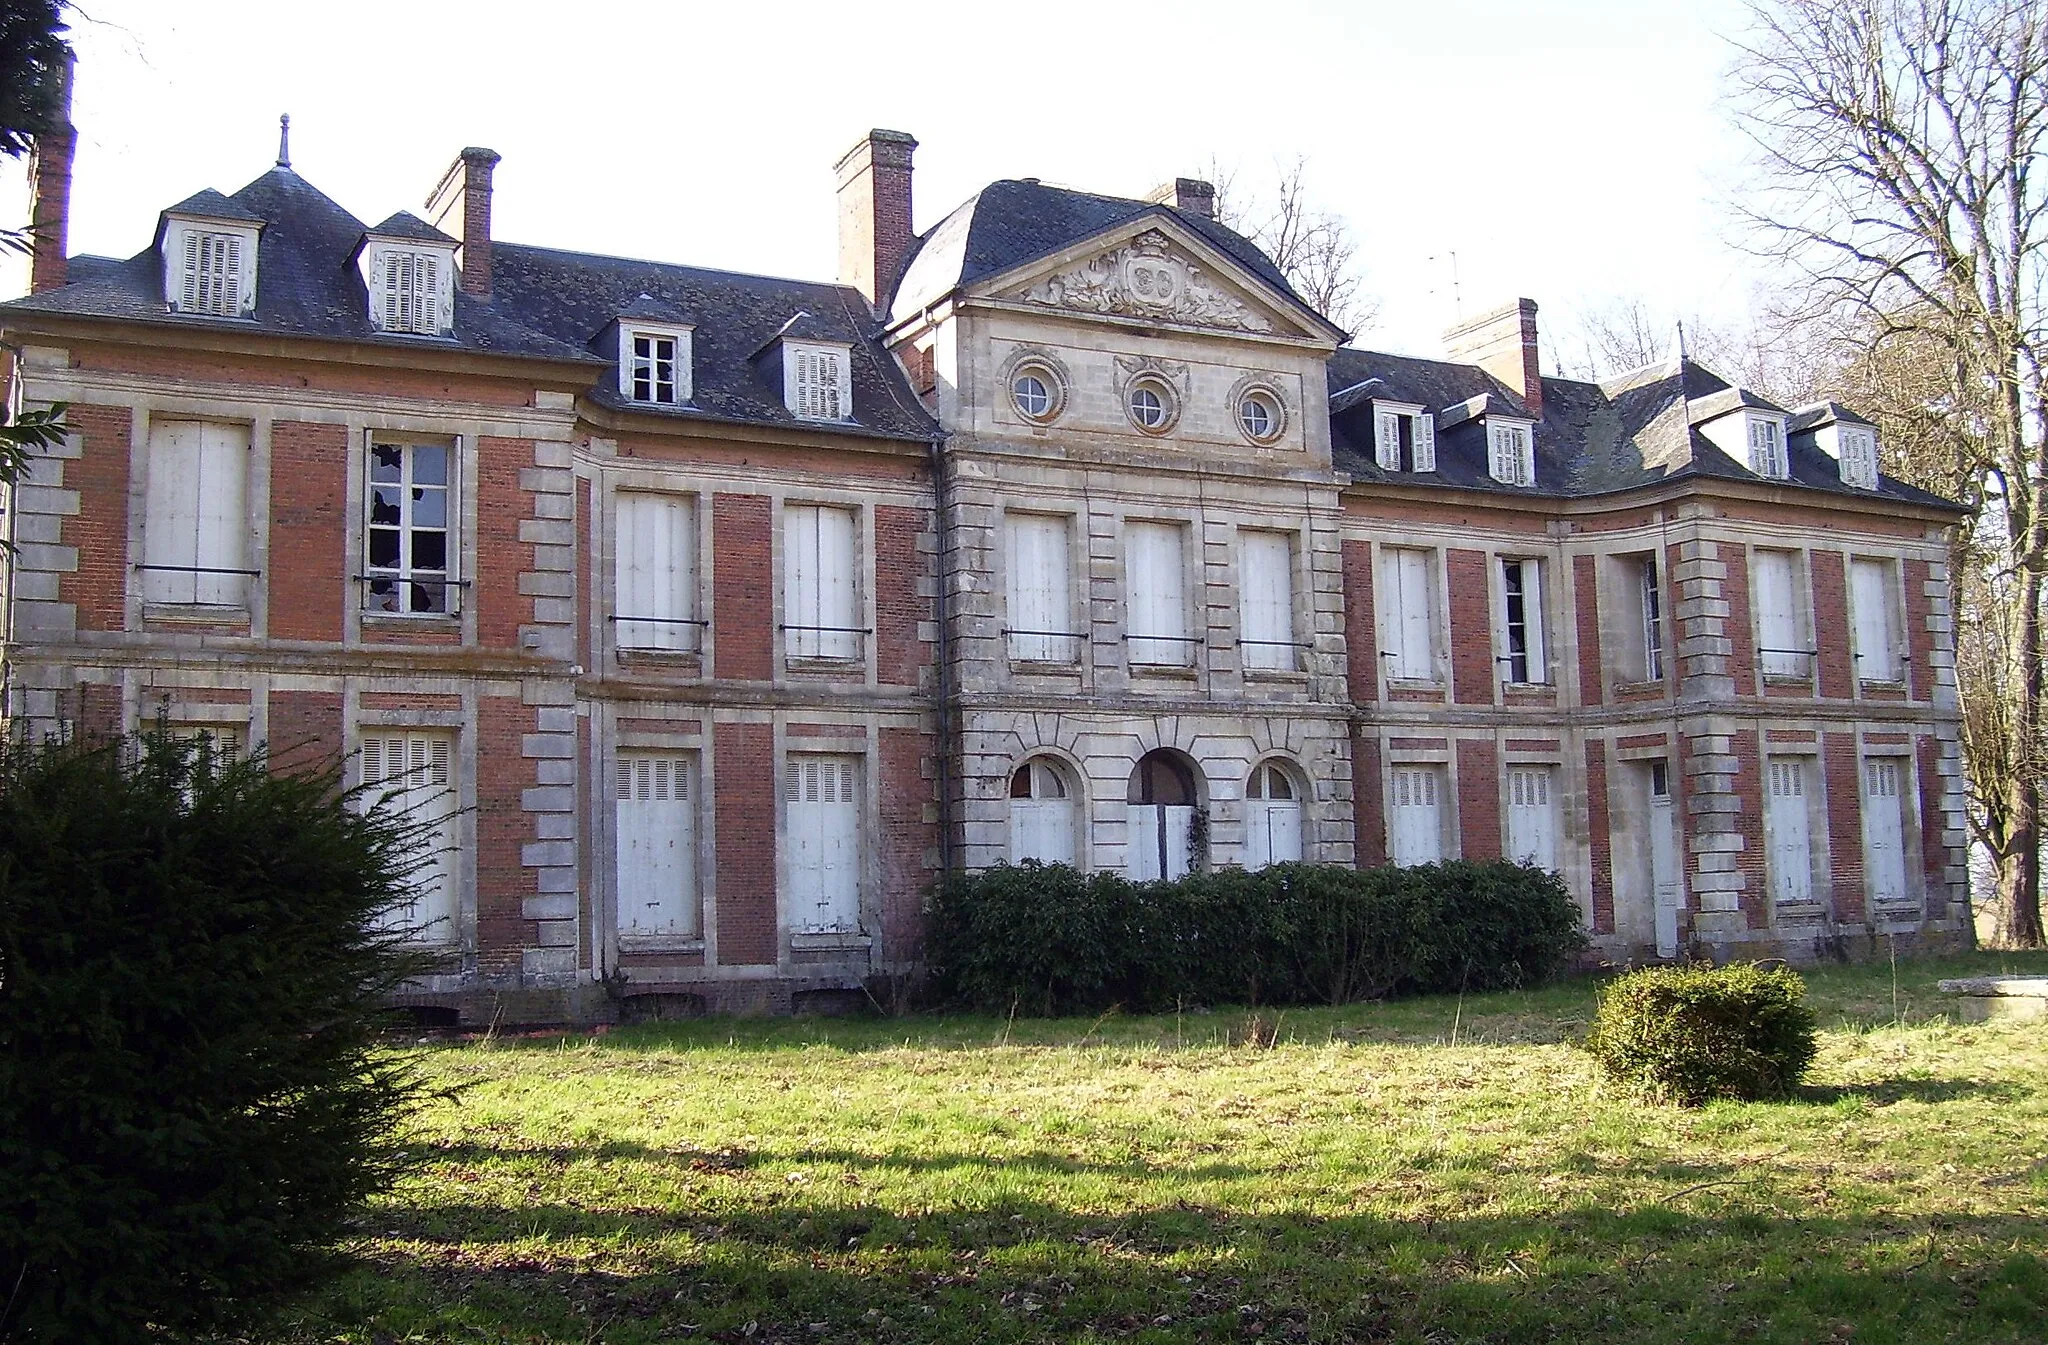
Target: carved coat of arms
<point>1147,278</point>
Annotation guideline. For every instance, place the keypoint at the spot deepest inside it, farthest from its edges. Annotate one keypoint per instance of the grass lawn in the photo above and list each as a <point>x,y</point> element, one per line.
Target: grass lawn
<point>1427,1171</point>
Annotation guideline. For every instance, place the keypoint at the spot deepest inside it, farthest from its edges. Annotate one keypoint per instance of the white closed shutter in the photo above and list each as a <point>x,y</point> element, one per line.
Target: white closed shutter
<point>1272,818</point>
<point>1040,590</point>
<point>1877,650</point>
<point>1265,600</point>
<point>1884,837</point>
<point>1386,437</point>
<point>657,845</point>
<point>1778,634</point>
<point>1415,815</point>
<point>412,774</point>
<point>1157,597</point>
<point>1425,442</point>
<point>820,383</point>
<point>1407,620</point>
<point>1664,879</point>
<point>1042,816</point>
<point>1532,817</point>
<point>822,822</point>
<point>1859,457</point>
<point>1785,816</point>
<point>818,594</point>
<point>655,569</point>
<point>189,270</point>
<point>195,522</point>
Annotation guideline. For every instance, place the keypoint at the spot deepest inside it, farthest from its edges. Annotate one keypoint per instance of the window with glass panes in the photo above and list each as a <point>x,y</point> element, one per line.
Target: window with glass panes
<point>409,535</point>
<point>655,368</point>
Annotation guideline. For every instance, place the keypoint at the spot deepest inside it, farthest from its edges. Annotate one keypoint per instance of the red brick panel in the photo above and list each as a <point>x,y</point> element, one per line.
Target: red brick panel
<point>1478,799</point>
<point>1919,640</point>
<point>501,557</point>
<point>99,710</point>
<point>305,728</point>
<point>1831,625</point>
<point>309,528</point>
<point>1749,793</point>
<point>1739,625</point>
<point>1598,822</point>
<point>743,593</point>
<point>503,827</point>
<point>1473,675</point>
<point>1361,637</point>
<point>899,654</point>
<point>1586,610</point>
<point>98,588</point>
<point>1845,823</point>
<point>909,832</point>
<point>1934,856</point>
<point>1368,804</point>
<point>744,836</point>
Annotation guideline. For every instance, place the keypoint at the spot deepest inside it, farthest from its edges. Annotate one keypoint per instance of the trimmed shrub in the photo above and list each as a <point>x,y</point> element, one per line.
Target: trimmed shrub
<point>1046,939</point>
<point>1691,1034</point>
<point>193,1097</point>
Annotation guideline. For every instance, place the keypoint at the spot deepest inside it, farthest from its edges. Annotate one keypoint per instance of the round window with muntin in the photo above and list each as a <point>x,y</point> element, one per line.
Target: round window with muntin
<point>1151,405</point>
<point>1032,392</point>
<point>1259,417</point>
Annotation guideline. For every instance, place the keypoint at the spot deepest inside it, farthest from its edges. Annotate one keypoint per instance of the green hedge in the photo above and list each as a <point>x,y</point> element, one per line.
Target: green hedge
<point>1691,1034</point>
<point>1047,939</point>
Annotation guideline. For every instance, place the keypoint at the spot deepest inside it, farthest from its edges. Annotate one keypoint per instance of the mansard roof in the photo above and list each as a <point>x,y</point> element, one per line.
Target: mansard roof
<point>1012,222</point>
<point>1636,429</point>
<point>547,304</point>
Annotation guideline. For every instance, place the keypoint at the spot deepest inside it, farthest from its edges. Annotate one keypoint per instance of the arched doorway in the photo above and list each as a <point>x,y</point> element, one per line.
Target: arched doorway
<point>1162,815</point>
<point>1043,822</point>
<point>1272,816</point>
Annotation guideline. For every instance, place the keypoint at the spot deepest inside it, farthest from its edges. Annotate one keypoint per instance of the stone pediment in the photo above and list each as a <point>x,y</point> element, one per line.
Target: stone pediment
<point>1148,277</point>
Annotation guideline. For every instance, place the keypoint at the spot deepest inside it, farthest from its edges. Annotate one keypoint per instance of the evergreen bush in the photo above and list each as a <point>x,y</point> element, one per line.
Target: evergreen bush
<point>1692,1034</point>
<point>1047,939</point>
<point>193,1098</point>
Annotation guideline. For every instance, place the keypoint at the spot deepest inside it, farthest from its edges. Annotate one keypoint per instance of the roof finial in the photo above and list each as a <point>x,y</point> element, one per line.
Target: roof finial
<point>1679,352</point>
<point>284,140</point>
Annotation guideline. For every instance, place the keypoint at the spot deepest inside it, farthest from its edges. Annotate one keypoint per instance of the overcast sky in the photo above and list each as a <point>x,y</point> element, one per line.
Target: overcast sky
<point>1575,153</point>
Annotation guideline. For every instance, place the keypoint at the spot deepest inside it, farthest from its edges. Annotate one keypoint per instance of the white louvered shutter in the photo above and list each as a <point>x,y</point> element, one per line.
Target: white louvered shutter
<point>1040,589</point>
<point>221,515</point>
<point>1415,819</point>
<point>1859,456</point>
<point>1777,615</point>
<point>412,774</point>
<point>655,569</point>
<point>427,293</point>
<point>1386,432</point>
<point>821,797</point>
<point>1785,815</point>
<point>1408,626</point>
<point>1266,600</point>
<point>188,299</point>
<point>1884,840</point>
<point>1157,603</point>
<point>657,846</point>
<point>1877,651</point>
<point>1425,443</point>
<point>1532,817</point>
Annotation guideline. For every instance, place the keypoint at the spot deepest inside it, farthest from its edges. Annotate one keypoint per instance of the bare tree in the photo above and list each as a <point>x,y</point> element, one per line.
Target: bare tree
<point>1900,141</point>
<point>1313,248</point>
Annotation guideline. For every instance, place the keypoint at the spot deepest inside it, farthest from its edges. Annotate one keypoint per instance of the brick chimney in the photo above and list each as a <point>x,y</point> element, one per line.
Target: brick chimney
<point>461,208</point>
<point>50,177</point>
<point>1192,195</point>
<point>874,212</point>
<point>1503,343</point>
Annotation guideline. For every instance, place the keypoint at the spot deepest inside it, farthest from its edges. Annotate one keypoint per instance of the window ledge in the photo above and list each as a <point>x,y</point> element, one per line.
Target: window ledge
<point>1047,667</point>
<point>1174,672</point>
<point>826,665</point>
<point>1772,679</point>
<point>1415,684</point>
<point>820,940</point>
<point>1882,683</point>
<point>1528,686</point>
<point>1638,687</point>
<point>660,657</point>
<point>381,618</point>
<point>195,616</point>
<point>1283,676</point>
<point>660,943</point>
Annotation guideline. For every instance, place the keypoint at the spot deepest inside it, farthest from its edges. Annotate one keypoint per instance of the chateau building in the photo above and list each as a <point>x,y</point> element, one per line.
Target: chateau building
<point>715,615</point>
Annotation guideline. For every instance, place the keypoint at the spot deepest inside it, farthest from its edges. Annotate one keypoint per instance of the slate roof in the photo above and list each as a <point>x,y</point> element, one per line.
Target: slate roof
<point>547,304</point>
<point>1009,223</point>
<point>213,205</point>
<point>1636,429</point>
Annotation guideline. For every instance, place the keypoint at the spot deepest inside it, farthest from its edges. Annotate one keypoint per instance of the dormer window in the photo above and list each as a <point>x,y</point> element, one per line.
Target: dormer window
<point>1767,447</point>
<point>1511,452</point>
<point>1858,454</point>
<point>210,268</point>
<point>1404,437</point>
<point>654,364</point>
<point>409,293</point>
<point>817,381</point>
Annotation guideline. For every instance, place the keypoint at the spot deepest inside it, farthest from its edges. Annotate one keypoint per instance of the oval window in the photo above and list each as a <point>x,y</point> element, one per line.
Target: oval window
<point>1150,406</point>
<point>1032,395</point>
<point>1258,417</point>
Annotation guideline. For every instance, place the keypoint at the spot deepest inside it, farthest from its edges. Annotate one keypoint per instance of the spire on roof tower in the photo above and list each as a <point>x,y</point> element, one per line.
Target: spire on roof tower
<point>284,140</point>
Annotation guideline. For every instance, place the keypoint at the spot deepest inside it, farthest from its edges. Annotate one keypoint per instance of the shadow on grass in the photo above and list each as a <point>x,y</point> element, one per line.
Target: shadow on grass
<point>1025,1271</point>
<point>1884,1092</point>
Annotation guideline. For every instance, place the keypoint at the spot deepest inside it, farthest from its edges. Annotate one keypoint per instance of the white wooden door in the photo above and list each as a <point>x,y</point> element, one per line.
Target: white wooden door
<point>1667,895</point>
<point>1532,817</point>
<point>1780,640</point>
<point>1785,817</point>
<point>1160,838</point>
<point>822,792</point>
<point>1870,595</point>
<point>1272,818</point>
<point>1042,817</point>
<point>1415,815</point>
<point>655,594</point>
<point>1041,607</point>
<point>1157,594</point>
<point>195,526</point>
<point>819,608</point>
<point>1884,839</point>
<point>657,841</point>
<point>1265,600</point>
<point>412,773</point>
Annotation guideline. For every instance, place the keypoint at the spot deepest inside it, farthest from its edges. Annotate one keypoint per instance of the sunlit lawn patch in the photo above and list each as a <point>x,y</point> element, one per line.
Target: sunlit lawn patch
<point>1142,1179</point>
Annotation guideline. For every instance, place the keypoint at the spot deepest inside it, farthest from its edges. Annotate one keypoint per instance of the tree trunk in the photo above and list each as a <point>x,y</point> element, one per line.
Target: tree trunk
<point>2020,869</point>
